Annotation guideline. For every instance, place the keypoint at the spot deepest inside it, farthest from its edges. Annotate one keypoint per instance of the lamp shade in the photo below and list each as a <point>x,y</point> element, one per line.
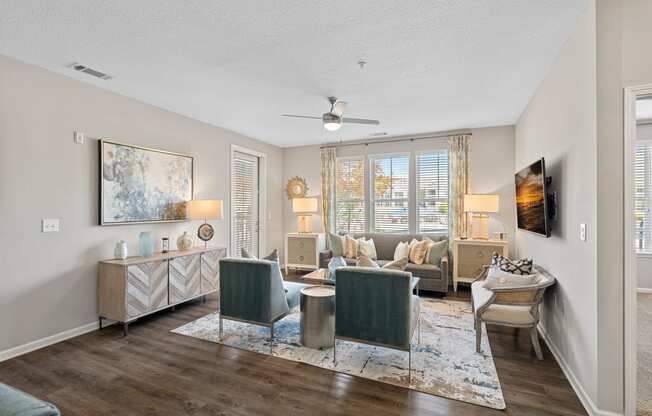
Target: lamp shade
<point>205,209</point>
<point>307,205</point>
<point>480,203</point>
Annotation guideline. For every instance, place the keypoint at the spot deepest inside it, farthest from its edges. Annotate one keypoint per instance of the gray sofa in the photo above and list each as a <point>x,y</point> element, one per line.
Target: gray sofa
<point>433,277</point>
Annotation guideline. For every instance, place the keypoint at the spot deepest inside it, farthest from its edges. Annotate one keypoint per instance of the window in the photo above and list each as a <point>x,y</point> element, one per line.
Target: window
<point>432,192</point>
<point>349,195</point>
<point>643,197</point>
<point>390,184</point>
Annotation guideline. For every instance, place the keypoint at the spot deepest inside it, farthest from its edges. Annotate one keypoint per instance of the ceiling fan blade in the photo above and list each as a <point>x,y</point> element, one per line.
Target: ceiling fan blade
<point>298,116</point>
<point>338,108</point>
<point>359,120</point>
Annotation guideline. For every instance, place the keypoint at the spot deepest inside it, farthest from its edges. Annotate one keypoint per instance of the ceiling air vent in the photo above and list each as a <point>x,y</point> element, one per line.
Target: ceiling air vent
<point>90,71</point>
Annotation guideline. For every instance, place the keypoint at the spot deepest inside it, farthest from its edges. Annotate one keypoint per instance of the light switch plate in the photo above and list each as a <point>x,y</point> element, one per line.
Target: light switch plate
<point>583,232</point>
<point>50,225</point>
<point>79,137</point>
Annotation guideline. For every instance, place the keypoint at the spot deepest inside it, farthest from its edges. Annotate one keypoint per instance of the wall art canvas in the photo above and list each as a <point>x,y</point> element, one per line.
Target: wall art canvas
<point>140,185</point>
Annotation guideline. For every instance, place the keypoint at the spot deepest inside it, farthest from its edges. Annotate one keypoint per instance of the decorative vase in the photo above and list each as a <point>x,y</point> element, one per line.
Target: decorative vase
<point>121,250</point>
<point>185,241</point>
<point>146,244</point>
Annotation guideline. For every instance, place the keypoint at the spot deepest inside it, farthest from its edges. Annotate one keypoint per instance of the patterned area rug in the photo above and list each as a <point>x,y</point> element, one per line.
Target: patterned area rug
<point>444,363</point>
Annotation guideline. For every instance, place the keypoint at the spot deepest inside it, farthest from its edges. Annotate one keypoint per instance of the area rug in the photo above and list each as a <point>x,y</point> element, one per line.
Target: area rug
<point>444,363</point>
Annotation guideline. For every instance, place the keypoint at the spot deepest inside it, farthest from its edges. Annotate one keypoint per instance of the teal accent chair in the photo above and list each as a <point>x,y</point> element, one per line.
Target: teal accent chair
<point>14,402</point>
<point>376,307</point>
<point>253,291</point>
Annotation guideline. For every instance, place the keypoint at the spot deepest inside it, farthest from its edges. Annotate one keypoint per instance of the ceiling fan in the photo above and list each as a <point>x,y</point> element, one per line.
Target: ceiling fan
<point>333,119</point>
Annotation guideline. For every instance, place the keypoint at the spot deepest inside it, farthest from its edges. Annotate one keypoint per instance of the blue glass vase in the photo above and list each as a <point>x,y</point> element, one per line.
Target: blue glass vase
<point>145,244</point>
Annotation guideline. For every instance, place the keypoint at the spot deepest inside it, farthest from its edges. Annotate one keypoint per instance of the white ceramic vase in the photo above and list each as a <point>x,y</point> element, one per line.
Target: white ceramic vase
<point>121,250</point>
<point>185,241</point>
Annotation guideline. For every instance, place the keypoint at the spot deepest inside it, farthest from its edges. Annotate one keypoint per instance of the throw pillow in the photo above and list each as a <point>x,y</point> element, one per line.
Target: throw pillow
<point>497,278</point>
<point>367,248</point>
<point>336,244</point>
<point>436,250</point>
<point>522,266</point>
<point>399,264</point>
<point>418,252</point>
<point>273,256</point>
<point>401,250</point>
<point>334,264</point>
<point>365,261</point>
<point>350,247</point>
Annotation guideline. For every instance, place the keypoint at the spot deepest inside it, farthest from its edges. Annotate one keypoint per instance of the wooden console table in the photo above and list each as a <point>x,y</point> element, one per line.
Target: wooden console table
<point>138,286</point>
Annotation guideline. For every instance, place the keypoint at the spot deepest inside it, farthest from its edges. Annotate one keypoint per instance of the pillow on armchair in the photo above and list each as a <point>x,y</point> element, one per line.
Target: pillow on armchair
<point>522,266</point>
<point>497,278</point>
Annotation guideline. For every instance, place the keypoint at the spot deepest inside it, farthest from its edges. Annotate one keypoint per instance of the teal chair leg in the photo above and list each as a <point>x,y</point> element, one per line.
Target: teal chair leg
<point>410,366</point>
<point>334,352</point>
<point>220,328</point>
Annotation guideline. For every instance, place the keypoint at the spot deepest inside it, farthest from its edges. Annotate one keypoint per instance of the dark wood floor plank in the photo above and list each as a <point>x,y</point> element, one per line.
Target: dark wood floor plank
<point>156,372</point>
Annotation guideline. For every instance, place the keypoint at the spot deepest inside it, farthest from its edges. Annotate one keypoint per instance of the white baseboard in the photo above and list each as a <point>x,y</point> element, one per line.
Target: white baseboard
<point>643,290</point>
<point>586,400</point>
<point>44,342</point>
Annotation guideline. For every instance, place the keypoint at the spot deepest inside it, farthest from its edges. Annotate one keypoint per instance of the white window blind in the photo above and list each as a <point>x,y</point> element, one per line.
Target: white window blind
<point>390,193</point>
<point>432,192</point>
<point>349,195</point>
<point>245,204</point>
<point>643,197</point>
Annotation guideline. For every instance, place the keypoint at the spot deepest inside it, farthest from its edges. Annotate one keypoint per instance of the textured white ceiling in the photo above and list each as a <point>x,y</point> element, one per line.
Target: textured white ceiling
<point>433,65</point>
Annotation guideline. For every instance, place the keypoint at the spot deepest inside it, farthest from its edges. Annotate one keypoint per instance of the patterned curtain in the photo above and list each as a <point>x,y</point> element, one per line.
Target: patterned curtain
<point>459,184</point>
<point>328,162</point>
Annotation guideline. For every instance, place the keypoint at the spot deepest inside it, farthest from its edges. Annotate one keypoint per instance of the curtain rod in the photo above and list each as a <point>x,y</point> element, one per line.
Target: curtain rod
<point>395,140</point>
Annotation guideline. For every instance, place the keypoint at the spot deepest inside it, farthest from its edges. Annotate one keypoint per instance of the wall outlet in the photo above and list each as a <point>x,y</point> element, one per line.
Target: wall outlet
<point>50,225</point>
<point>583,232</point>
<point>79,137</point>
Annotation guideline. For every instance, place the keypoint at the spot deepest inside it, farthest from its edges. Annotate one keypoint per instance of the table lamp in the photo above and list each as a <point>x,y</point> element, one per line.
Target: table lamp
<point>205,209</point>
<point>480,205</point>
<point>305,207</point>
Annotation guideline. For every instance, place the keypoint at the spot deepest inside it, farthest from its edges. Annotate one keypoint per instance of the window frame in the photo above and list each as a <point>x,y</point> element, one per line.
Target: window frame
<point>647,198</point>
<point>364,201</point>
<point>417,175</point>
<point>372,191</point>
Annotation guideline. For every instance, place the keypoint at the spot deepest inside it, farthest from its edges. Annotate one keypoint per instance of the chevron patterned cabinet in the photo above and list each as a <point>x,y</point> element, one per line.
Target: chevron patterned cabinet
<point>138,286</point>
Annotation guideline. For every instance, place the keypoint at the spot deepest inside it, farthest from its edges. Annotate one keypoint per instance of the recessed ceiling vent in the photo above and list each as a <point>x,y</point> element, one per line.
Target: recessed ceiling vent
<point>90,71</point>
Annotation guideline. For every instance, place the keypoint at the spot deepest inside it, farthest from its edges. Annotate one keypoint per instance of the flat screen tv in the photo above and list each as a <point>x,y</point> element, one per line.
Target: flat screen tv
<point>531,202</point>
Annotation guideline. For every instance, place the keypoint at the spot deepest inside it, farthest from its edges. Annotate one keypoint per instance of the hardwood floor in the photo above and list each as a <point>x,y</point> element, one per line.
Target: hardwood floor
<point>155,372</point>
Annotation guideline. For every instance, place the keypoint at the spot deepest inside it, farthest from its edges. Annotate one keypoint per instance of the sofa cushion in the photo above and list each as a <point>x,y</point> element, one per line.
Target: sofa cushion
<point>293,293</point>
<point>425,271</point>
<point>418,251</point>
<point>436,250</point>
<point>399,264</point>
<point>336,244</point>
<point>365,261</point>
<point>367,248</point>
<point>386,242</point>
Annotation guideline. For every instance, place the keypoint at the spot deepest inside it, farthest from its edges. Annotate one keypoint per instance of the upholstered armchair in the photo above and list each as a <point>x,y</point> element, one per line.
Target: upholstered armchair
<point>516,306</point>
<point>253,291</point>
<point>376,307</point>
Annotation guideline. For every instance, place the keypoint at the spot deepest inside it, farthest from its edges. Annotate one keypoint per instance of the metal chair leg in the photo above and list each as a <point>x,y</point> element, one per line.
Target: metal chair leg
<point>334,352</point>
<point>220,328</point>
<point>478,335</point>
<point>419,330</point>
<point>410,366</point>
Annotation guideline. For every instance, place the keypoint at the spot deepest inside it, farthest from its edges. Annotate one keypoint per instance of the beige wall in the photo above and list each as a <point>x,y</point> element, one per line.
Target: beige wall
<point>559,124</point>
<point>49,280</point>
<point>624,33</point>
<point>492,169</point>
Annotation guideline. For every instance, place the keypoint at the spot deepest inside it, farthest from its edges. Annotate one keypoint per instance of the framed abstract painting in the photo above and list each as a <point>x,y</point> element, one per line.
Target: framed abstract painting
<point>140,185</point>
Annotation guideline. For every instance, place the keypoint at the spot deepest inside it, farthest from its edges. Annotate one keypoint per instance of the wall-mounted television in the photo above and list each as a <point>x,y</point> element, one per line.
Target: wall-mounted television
<point>532,205</point>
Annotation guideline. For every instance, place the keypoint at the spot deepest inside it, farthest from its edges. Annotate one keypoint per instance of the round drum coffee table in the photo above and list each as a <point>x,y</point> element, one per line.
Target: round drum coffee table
<point>317,316</point>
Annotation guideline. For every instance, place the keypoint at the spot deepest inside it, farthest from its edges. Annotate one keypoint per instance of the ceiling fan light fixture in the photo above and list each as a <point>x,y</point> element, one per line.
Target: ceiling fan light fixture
<point>332,122</point>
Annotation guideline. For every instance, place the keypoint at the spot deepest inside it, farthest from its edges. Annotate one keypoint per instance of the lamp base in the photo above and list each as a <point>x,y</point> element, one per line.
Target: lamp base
<point>304,223</point>
<point>205,232</point>
<point>480,227</point>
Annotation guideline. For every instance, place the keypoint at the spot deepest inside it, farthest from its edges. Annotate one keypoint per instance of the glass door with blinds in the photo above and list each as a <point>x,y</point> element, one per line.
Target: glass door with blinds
<point>245,204</point>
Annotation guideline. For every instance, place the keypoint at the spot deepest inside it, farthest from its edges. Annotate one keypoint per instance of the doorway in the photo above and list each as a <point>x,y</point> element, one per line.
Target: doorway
<point>638,250</point>
<point>247,201</point>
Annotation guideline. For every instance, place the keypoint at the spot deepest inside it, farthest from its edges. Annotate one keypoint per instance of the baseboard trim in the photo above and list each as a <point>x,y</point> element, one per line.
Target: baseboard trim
<point>44,342</point>
<point>588,404</point>
<point>643,290</point>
